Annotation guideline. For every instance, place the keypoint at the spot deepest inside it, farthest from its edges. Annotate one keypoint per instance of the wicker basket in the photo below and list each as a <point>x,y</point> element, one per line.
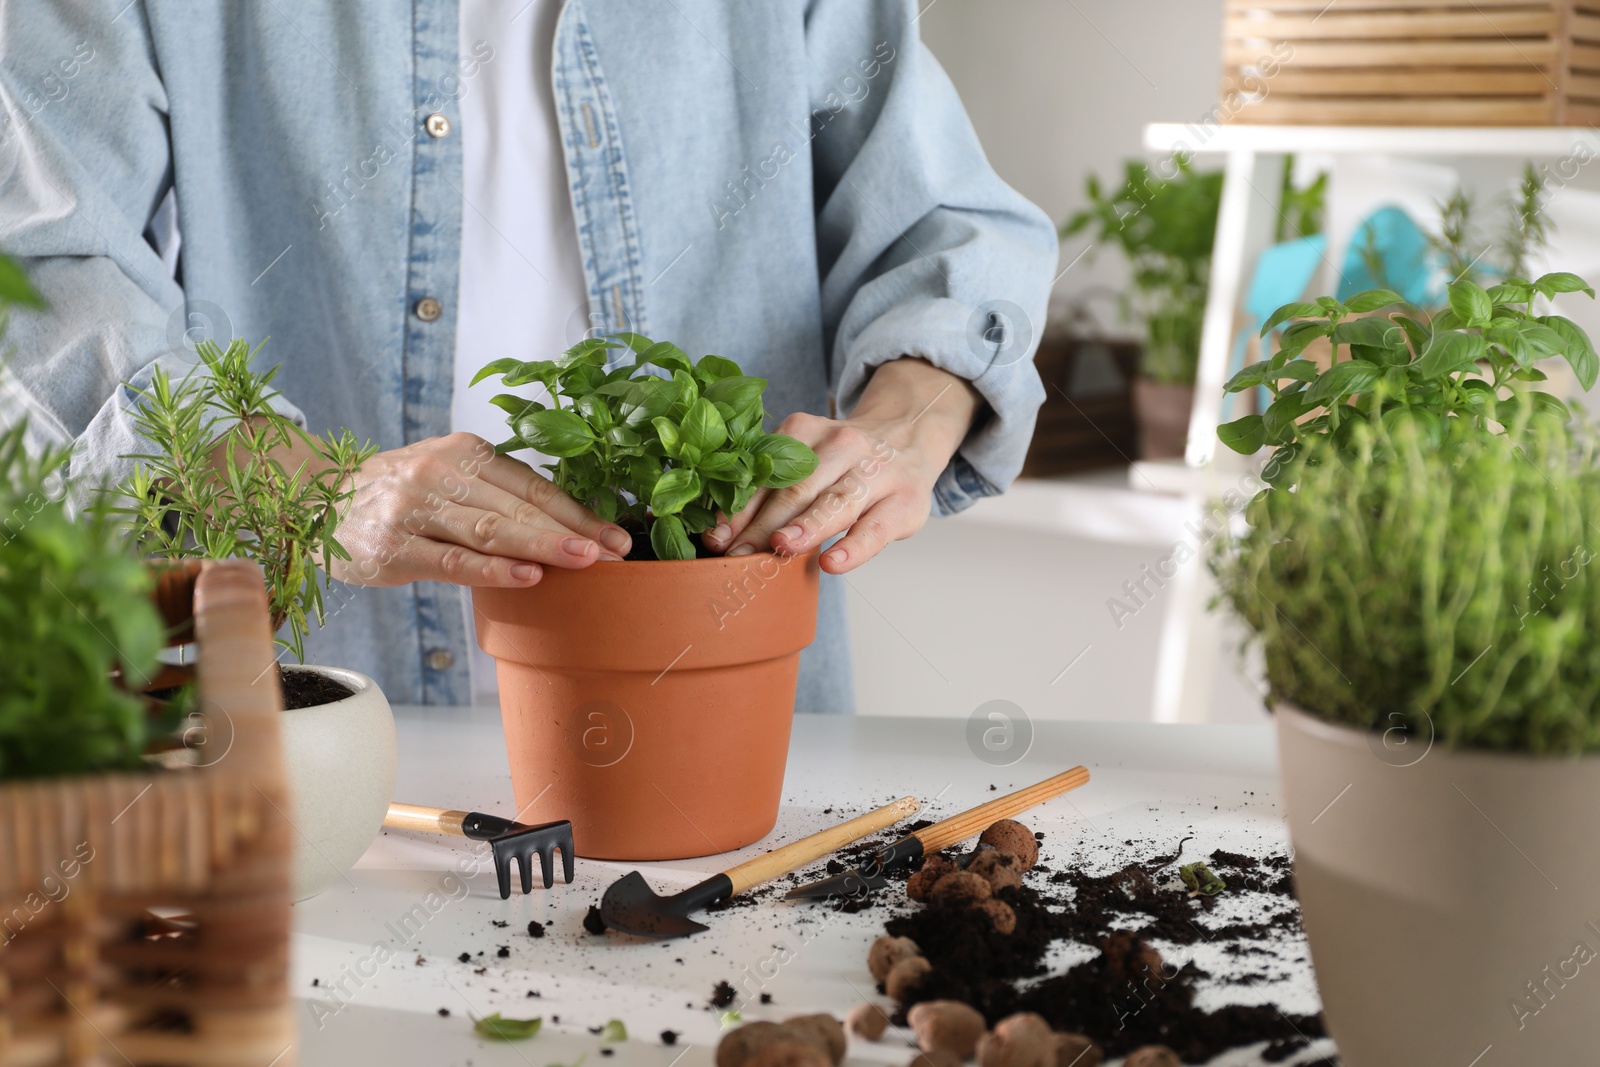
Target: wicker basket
<point>144,918</point>
<point>1412,62</point>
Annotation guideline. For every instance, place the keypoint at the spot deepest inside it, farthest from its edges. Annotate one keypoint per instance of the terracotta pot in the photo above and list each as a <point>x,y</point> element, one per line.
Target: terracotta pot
<point>650,702</point>
<point>1447,895</point>
<point>1163,413</point>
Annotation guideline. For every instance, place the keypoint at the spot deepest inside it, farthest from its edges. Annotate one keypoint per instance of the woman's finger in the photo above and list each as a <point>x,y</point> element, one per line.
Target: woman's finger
<point>832,512</point>
<point>888,520</point>
<point>528,485</point>
<point>492,533</point>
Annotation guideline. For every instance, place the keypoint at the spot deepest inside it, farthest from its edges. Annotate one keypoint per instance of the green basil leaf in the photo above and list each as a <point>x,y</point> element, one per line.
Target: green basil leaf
<point>555,433</point>
<point>606,505</point>
<point>514,406</point>
<point>1579,351</point>
<point>1248,377</point>
<point>1296,337</point>
<point>1301,370</point>
<point>1417,333</point>
<point>646,400</point>
<point>703,427</point>
<point>1342,380</point>
<point>1470,303</point>
<point>498,1028</point>
<point>669,539</point>
<point>673,490</point>
<point>1449,352</point>
<point>643,473</point>
<point>688,389</point>
<point>760,470</point>
<point>697,518</point>
<point>1510,291</point>
<point>729,466</point>
<point>1287,312</point>
<point>1278,421</point>
<point>716,368</point>
<point>594,411</point>
<point>667,356</point>
<point>1561,282</point>
<point>591,353</point>
<point>637,343</point>
<point>1373,333</point>
<point>722,494</point>
<point>792,460</point>
<point>1373,299</point>
<point>667,431</point>
<point>736,392</point>
<point>539,370</point>
<point>499,366</point>
<point>623,437</point>
<point>1245,435</point>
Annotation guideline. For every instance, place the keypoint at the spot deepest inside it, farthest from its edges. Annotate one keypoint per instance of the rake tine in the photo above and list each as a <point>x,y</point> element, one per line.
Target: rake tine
<point>566,857</point>
<point>502,870</point>
<point>547,864</point>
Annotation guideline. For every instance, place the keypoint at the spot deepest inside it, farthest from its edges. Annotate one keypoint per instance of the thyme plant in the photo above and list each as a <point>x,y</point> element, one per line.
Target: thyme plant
<point>215,487</point>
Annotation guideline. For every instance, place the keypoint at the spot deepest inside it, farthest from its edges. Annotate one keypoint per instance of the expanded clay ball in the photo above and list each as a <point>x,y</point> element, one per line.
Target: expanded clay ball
<point>788,1052</point>
<point>823,1031</point>
<point>866,1021</point>
<point>1001,869</point>
<point>946,1025</point>
<point>920,885</point>
<point>1011,836</point>
<point>1152,1056</point>
<point>738,1045</point>
<point>903,978</point>
<point>1076,1050</point>
<point>1000,914</point>
<point>1022,1040</point>
<point>960,888</point>
<point>1130,958</point>
<point>887,951</point>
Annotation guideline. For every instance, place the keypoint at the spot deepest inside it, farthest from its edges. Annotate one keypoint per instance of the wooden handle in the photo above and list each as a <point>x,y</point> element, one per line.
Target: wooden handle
<point>977,820</point>
<point>766,867</point>
<point>431,820</point>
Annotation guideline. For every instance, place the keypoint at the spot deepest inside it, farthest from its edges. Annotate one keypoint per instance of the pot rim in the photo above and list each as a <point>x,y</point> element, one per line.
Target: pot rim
<point>1309,722</point>
<point>354,679</point>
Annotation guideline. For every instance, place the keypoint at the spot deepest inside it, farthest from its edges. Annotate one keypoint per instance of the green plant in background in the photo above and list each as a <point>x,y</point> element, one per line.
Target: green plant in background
<point>1451,591</point>
<point>75,611</point>
<point>1464,254</point>
<point>74,607</point>
<point>182,504</point>
<point>652,452</point>
<point>1166,228</point>
<point>1300,209</point>
<point>1466,369</point>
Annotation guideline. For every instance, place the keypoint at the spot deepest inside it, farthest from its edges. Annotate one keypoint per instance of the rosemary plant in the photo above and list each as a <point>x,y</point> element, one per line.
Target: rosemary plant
<point>215,487</point>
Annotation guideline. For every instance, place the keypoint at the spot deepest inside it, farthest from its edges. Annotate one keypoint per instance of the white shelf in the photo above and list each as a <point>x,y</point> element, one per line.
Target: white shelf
<point>1400,140</point>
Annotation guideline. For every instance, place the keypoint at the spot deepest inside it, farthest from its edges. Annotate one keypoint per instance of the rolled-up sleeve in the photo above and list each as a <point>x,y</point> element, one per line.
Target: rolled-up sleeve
<point>85,163</point>
<point>924,251</point>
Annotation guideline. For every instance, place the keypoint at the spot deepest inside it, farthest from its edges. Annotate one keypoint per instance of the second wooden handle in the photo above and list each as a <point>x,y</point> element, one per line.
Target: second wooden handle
<point>766,867</point>
<point>977,820</point>
<point>430,820</point>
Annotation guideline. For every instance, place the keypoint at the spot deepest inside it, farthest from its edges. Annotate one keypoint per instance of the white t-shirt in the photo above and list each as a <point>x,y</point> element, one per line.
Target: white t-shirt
<point>522,287</point>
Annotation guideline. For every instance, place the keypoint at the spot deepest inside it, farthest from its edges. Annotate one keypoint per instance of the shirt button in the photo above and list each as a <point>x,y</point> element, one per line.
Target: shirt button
<point>441,659</point>
<point>429,309</point>
<point>437,125</point>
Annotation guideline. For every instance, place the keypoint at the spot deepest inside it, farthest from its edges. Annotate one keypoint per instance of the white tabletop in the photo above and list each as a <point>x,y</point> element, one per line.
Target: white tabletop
<point>379,983</point>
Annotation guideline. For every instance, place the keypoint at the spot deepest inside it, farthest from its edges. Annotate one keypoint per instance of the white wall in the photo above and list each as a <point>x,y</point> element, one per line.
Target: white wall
<point>1059,88</point>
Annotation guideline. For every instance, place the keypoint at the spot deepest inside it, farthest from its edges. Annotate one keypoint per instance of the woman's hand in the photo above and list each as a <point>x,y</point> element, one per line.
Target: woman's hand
<point>875,473</point>
<point>448,509</point>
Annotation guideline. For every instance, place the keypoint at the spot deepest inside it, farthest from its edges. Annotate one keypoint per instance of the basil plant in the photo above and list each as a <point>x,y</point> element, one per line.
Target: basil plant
<point>661,443</point>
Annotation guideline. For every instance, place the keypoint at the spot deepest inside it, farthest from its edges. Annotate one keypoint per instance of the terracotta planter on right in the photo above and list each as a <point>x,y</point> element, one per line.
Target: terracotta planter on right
<point>1448,896</point>
<point>650,701</point>
<point>1162,410</point>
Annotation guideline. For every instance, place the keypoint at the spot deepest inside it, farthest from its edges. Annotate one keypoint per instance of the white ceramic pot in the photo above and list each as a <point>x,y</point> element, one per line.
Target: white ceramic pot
<point>339,760</point>
<point>1449,897</point>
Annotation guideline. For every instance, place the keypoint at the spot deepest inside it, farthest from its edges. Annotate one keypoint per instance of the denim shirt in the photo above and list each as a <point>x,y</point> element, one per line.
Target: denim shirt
<point>792,183</point>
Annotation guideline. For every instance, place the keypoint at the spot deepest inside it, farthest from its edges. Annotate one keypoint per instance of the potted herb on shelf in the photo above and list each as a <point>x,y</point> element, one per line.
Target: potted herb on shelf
<point>650,700</point>
<point>216,487</point>
<point>1419,576</point>
<point>1166,228</point>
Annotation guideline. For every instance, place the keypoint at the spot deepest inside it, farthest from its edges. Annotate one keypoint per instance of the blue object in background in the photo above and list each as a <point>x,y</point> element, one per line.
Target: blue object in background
<point>1403,249</point>
<point>1281,277</point>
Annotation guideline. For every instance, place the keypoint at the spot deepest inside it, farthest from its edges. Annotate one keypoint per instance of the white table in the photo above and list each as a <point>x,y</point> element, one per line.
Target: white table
<point>1152,784</point>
